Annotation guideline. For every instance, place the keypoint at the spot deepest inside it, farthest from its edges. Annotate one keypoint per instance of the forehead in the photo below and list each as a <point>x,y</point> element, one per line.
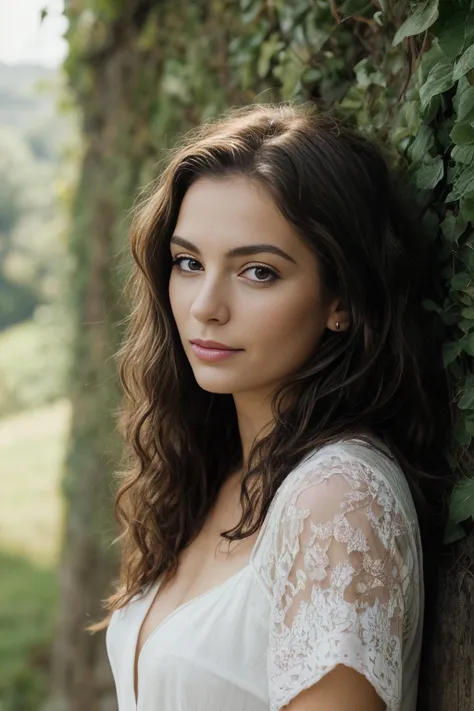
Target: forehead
<point>233,210</point>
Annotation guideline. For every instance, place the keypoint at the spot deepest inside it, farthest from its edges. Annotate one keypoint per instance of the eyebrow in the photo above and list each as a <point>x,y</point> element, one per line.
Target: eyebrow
<point>237,251</point>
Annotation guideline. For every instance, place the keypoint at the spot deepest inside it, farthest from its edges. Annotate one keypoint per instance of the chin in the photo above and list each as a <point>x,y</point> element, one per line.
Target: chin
<point>221,386</point>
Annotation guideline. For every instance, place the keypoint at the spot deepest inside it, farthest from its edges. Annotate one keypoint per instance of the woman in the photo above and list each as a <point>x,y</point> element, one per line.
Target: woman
<point>284,392</point>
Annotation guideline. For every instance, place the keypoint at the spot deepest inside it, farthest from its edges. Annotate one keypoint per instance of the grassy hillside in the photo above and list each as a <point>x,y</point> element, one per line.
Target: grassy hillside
<point>31,451</point>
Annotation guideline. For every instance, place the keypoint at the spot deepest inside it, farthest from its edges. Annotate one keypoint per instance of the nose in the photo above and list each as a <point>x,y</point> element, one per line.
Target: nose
<point>211,302</point>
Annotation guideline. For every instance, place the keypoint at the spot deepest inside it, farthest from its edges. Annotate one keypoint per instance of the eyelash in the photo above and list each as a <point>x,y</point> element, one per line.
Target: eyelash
<point>177,262</point>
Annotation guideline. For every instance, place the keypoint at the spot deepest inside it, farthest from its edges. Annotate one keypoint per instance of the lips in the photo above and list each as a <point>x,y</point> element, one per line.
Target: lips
<point>213,345</point>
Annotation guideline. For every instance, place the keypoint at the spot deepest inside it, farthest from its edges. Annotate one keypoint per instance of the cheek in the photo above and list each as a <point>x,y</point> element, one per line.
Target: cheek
<point>293,322</point>
<point>291,335</point>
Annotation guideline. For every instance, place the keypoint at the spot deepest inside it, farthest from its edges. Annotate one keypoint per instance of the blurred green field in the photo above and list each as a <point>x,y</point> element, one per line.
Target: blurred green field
<point>33,363</point>
<point>31,451</point>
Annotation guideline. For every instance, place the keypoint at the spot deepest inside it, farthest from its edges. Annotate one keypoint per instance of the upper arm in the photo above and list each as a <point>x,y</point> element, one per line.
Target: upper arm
<point>341,689</point>
<point>341,584</point>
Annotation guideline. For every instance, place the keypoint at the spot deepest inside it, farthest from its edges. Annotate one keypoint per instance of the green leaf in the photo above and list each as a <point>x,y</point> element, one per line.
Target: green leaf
<point>249,10</point>
<point>461,505</point>
<point>463,154</point>
<point>430,173</point>
<point>450,352</point>
<point>467,344</point>
<point>463,100</point>
<point>463,133</point>
<point>468,313</point>
<point>439,79</point>
<point>315,35</point>
<point>464,183</point>
<point>267,51</point>
<point>466,207</point>
<point>465,325</point>
<point>430,305</point>
<point>462,436</point>
<point>451,37</point>
<point>355,7</point>
<point>424,16</point>
<point>464,64</point>
<point>460,281</point>
<point>422,143</point>
<point>289,72</point>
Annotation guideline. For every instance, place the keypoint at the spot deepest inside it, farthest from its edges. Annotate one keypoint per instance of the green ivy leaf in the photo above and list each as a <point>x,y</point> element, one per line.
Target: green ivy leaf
<point>410,112</point>
<point>439,79</point>
<point>467,344</point>
<point>460,281</point>
<point>430,173</point>
<point>461,506</point>
<point>463,438</point>
<point>315,36</point>
<point>463,133</point>
<point>289,72</point>
<point>422,143</point>
<point>466,207</point>
<point>449,318</point>
<point>430,305</point>
<point>355,7</point>
<point>464,64</point>
<point>464,183</point>
<point>463,154</point>
<point>268,50</point>
<point>450,352</point>
<point>451,37</point>
<point>250,9</point>
<point>424,16</point>
<point>465,325</point>
<point>463,100</point>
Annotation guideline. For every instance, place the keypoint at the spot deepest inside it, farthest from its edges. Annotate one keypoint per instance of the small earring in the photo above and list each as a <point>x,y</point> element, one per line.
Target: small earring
<point>337,325</point>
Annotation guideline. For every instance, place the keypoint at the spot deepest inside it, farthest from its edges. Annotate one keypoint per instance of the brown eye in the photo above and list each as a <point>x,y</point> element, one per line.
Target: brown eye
<point>178,260</point>
<point>259,269</point>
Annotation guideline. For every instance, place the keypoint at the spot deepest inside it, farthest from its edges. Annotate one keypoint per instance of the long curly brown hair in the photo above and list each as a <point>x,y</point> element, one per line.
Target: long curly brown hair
<point>383,374</point>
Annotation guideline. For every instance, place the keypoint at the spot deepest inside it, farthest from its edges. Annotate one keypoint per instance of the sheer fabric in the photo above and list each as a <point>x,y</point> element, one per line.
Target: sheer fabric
<point>334,577</point>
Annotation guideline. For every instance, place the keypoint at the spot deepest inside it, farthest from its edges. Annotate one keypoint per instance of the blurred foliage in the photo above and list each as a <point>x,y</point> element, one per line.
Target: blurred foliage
<point>403,72</point>
<point>33,137</point>
<point>25,632</point>
<point>32,445</point>
<point>34,361</point>
<point>37,172</point>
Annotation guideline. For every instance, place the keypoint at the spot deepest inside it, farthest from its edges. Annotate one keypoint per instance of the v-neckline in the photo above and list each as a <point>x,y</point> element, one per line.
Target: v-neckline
<point>152,593</point>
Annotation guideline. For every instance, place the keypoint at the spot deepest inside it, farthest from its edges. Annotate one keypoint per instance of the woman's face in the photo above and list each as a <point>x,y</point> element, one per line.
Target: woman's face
<point>267,305</point>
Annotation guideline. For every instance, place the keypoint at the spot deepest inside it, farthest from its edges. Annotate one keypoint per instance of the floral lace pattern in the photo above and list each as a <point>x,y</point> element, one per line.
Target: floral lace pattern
<point>339,568</point>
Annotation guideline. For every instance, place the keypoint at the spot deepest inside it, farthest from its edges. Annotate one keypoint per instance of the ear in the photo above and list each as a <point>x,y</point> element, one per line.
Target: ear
<point>338,314</point>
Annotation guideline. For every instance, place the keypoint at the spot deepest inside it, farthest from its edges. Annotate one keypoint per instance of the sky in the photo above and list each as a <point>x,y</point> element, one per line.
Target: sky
<point>23,40</point>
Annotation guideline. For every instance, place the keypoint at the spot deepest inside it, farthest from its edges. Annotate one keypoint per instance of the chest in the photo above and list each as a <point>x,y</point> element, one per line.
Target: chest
<point>207,654</point>
<point>206,563</point>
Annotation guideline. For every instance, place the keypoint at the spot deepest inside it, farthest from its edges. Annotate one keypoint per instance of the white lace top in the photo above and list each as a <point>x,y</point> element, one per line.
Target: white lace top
<point>335,576</point>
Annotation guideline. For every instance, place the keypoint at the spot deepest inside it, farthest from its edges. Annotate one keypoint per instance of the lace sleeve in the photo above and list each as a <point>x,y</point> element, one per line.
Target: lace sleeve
<point>341,582</point>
